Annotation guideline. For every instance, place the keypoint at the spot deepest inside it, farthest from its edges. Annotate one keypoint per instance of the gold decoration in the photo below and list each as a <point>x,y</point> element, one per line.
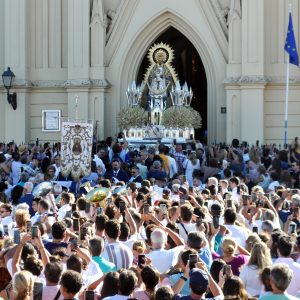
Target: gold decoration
<point>161,54</point>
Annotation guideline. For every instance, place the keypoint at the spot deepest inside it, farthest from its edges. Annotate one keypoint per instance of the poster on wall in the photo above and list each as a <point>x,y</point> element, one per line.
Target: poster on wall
<point>76,149</point>
<point>51,120</point>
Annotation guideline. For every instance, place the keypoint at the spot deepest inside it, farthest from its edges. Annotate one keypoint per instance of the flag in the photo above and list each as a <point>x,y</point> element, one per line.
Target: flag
<point>290,43</point>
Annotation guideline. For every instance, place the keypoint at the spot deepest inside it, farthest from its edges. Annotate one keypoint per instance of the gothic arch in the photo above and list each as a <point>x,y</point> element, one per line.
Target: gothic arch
<point>139,45</point>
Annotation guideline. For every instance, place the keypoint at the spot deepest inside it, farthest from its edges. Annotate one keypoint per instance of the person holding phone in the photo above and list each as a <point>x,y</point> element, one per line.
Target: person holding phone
<point>229,247</point>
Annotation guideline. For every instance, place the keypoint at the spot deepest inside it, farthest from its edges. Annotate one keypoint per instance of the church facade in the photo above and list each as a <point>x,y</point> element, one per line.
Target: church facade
<point>79,56</point>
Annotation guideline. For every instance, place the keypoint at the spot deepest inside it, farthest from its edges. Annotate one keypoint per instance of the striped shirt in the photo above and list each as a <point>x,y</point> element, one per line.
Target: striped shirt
<point>119,254</point>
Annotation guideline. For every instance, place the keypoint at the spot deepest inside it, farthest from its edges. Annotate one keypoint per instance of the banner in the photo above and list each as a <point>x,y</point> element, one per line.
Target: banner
<point>76,149</point>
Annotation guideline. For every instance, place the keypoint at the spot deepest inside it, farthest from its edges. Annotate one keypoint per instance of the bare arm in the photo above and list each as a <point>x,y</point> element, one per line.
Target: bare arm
<point>130,221</point>
<point>17,255</point>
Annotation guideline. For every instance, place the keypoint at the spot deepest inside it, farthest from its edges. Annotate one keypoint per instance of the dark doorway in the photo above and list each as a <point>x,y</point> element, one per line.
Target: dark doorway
<point>189,68</point>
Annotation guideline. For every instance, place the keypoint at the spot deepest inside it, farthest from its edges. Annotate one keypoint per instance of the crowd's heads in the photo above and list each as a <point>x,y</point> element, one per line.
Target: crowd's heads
<point>70,284</point>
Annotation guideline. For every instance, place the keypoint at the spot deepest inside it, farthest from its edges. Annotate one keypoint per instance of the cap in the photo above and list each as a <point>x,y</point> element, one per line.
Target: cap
<point>198,278</point>
<point>22,149</point>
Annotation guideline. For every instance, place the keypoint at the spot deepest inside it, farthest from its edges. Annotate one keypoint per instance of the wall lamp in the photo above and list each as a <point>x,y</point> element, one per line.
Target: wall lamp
<point>8,76</point>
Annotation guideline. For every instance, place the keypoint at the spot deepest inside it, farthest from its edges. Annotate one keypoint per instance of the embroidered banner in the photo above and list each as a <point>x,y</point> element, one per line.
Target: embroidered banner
<point>76,149</point>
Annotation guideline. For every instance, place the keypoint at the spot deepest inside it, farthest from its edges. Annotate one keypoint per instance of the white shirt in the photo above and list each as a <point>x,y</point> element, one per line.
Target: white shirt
<point>294,286</point>
<point>57,170</point>
<point>6,220</point>
<point>238,233</point>
<point>272,185</point>
<point>49,292</point>
<point>92,273</point>
<point>119,254</point>
<point>163,259</point>
<point>250,277</point>
<point>63,211</point>
<point>188,227</point>
<point>173,166</point>
<point>189,169</point>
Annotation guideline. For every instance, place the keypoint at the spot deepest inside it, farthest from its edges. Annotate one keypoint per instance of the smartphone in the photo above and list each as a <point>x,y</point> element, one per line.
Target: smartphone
<point>34,231</point>
<point>37,291</point>
<point>296,211</point>
<point>191,189</point>
<point>181,201</point>
<point>122,206</point>
<point>76,224</point>
<point>89,295</point>
<point>254,197</point>
<point>149,201</point>
<point>17,236</point>
<point>216,221</point>
<point>228,197</point>
<point>193,258</point>
<point>83,233</point>
<point>5,229</point>
<point>294,191</point>
<point>146,209</point>
<point>163,207</point>
<point>255,229</point>
<point>227,270</point>
<point>292,228</point>
<point>229,203</point>
<point>199,221</point>
<point>87,207</point>
<point>141,260</point>
<point>99,210</point>
<point>74,244</point>
<point>28,226</point>
<point>74,207</point>
<point>184,178</point>
<point>245,199</point>
<point>109,201</point>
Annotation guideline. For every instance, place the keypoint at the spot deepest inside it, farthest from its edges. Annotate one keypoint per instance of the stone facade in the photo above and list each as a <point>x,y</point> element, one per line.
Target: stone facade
<point>59,49</point>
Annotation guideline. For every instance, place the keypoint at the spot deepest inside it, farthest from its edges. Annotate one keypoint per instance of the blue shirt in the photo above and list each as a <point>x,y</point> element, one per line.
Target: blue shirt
<point>205,255</point>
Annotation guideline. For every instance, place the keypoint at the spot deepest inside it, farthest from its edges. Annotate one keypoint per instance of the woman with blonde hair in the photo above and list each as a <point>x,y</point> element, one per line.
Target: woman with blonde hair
<point>138,247</point>
<point>259,259</point>
<point>21,217</point>
<point>229,247</point>
<point>22,286</point>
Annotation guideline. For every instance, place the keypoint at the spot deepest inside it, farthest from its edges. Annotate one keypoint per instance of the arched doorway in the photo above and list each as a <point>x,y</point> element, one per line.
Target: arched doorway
<point>189,68</point>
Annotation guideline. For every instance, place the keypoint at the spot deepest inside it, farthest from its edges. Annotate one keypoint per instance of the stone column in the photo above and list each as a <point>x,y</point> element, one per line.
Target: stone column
<point>252,82</point>
<point>16,122</point>
<point>78,58</point>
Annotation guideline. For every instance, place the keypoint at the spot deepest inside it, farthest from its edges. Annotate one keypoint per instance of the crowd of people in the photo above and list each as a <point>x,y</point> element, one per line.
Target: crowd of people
<point>180,222</point>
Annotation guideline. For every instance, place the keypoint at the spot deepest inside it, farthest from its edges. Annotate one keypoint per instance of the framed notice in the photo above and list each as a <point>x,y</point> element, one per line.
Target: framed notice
<point>50,120</point>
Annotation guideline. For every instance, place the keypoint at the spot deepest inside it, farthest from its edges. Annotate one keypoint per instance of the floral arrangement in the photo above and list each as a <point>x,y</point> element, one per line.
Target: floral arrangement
<point>131,117</point>
<point>181,117</point>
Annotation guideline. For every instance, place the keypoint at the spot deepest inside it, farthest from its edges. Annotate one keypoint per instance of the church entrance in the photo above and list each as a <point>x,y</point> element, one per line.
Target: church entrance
<point>189,68</point>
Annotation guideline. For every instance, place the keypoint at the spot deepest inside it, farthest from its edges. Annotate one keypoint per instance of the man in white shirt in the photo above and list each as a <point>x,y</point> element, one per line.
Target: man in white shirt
<point>237,232</point>
<point>64,205</point>
<point>52,273</point>
<point>161,258</point>
<point>186,225</point>
<point>56,165</point>
<point>285,248</point>
<point>115,251</point>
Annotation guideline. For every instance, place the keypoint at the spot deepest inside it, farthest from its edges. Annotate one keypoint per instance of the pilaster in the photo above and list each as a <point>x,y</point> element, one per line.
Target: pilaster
<point>16,56</point>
